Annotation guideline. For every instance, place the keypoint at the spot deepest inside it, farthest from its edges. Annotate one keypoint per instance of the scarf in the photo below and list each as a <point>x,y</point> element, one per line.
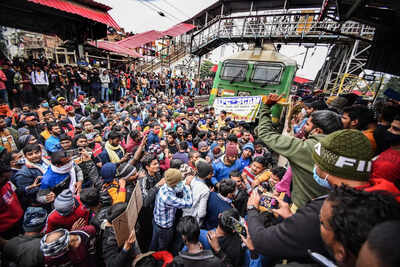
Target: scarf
<point>41,167</point>
<point>56,248</point>
<point>114,158</point>
<point>67,169</point>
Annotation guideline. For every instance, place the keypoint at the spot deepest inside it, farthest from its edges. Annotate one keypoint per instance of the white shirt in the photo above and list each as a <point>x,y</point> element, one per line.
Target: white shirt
<point>39,78</point>
<point>200,193</point>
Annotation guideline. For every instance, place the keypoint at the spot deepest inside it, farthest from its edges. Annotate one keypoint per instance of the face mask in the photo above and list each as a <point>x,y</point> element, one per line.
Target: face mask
<point>203,154</point>
<point>45,105</point>
<point>21,161</point>
<point>320,181</point>
<point>392,139</point>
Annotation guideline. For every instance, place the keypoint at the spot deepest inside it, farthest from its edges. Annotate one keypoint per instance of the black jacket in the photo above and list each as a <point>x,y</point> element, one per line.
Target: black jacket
<point>291,238</point>
<point>24,251</point>
<point>205,258</point>
<point>114,256</point>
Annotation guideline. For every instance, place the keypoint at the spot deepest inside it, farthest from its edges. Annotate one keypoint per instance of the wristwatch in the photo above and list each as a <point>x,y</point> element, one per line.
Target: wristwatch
<point>251,207</point>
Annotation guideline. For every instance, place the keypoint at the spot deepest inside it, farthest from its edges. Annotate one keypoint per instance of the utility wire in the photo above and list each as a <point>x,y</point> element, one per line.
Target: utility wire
<point>177,9</point>
<point>163,10</point>
<point>157,11</point>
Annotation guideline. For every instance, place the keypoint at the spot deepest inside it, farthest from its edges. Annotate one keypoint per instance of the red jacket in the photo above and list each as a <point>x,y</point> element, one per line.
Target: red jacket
<point>10,208</point>
<point>379,184</point>
<point>387,165</point>
<point>56,221</point>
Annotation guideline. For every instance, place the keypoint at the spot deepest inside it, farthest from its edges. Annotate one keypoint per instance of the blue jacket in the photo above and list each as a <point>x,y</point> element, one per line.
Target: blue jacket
<point>24,178</point>
<point>215,206</point>
<point>51,179</point>
<point>152,138</point>
<point>221,171</point>
<point>244,163</point>
<point>52,144</point>
<point>103,156</point>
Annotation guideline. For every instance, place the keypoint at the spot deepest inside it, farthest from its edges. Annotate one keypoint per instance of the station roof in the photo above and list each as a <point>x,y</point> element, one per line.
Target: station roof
<point>92,10</point>
<point>377,13</point>
<point>75,20</point>
<point>179,29</point>
<point>140,39</point>
<point>114,47</point>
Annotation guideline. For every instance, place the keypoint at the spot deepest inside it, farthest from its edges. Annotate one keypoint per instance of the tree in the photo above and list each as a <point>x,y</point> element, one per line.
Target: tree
<point>393,83</point>
<point>205,69</point>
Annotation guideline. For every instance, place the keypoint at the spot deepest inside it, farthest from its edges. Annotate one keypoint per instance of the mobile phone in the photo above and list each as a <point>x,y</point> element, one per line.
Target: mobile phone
<point>268,202</point>
<point>321,259</point>
<point>238,227</point>
<point>72,152</point>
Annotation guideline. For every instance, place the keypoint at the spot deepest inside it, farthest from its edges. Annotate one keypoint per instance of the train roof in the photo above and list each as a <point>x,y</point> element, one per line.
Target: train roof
<point>268,53</point>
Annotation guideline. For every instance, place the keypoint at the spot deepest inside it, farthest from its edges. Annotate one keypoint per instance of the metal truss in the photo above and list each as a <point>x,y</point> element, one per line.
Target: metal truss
<point>283,27</point>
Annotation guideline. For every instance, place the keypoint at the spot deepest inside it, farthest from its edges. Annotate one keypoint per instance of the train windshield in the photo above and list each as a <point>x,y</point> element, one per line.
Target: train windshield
<point>267,73</point>
<point>234,70</point>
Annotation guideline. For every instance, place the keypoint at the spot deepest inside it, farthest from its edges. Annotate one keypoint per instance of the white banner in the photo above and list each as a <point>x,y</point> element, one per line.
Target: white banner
<point>240,108</point>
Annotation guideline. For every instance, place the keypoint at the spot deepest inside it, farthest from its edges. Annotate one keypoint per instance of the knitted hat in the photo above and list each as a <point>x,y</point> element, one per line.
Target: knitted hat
<point>231,150</point>
<point>203,168</point>
<point>202,144</point>
<point>23,131</point>
<point>108,172</point>
<point>64,203</point>
<point>338,103</point>
<point>249,145</point>
<point>125,170</point>
<point>173,177</point>
<point>346,154</point>
<point>34,219</point>
<point>23,140</point>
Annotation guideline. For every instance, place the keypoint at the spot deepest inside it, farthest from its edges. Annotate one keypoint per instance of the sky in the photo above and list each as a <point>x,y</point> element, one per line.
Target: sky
<point>140,16</point>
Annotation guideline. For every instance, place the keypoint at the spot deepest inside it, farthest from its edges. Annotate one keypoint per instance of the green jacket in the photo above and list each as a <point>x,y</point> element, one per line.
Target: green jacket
<point>298,152</point>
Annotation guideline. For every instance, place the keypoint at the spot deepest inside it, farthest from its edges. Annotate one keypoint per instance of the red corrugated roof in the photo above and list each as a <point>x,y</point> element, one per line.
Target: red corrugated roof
<point>81,10</point>
<point>140,39</point>
<point>179,29</point>
<point>114,47</point>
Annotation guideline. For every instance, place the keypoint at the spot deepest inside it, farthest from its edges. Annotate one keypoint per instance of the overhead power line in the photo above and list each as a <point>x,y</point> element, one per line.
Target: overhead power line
<point>176,8</point>
<point>162,14</point>
<point>163,10</point>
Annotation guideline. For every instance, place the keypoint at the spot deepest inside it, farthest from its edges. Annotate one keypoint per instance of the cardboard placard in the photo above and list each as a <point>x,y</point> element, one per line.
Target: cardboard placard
<point>125,223</point>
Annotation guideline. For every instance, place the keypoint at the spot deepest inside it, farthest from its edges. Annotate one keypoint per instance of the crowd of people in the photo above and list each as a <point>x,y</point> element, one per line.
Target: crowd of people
<point>21,81</point>
<point>72,152</point>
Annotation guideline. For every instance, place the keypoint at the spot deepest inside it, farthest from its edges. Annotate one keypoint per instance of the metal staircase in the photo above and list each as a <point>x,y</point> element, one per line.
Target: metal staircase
<point>277,27</point>
<point>166,56</point>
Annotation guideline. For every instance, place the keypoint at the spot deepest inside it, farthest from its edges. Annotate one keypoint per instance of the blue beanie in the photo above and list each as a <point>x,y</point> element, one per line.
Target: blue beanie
<point>249,145</point>
<point>34,219</point>
<point>108,171</point>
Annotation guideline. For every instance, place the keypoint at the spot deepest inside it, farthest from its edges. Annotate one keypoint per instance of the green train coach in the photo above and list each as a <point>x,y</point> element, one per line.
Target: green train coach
<point>255,72</point>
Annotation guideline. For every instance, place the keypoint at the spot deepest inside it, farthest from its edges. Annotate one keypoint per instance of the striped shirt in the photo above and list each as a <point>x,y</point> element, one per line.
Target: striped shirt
<point>167,202</point>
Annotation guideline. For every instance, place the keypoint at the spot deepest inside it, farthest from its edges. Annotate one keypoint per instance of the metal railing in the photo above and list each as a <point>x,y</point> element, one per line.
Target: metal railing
<point>288,27</point>
<point>173,54</point>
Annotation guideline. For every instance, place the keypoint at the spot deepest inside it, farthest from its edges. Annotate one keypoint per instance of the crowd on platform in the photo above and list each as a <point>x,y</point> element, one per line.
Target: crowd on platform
<point>73,149</point>
<point>21,81</point>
